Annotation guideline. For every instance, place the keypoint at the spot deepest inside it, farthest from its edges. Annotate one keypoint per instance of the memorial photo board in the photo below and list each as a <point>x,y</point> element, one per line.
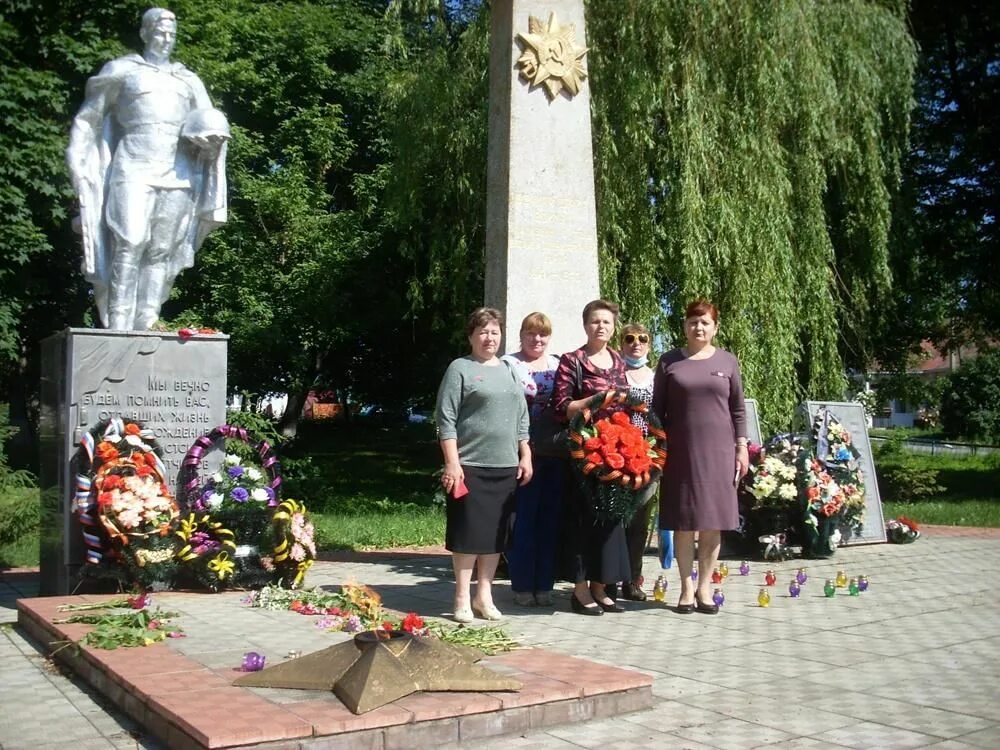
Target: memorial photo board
<point>852,416</point>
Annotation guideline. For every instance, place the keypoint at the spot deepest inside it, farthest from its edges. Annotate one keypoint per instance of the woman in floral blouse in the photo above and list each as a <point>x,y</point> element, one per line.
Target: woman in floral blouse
<point>531,558</point>
<point>597,551</point>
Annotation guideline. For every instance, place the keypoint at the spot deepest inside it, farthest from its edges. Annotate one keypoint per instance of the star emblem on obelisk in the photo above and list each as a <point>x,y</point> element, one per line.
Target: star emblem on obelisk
<point>550,56</point>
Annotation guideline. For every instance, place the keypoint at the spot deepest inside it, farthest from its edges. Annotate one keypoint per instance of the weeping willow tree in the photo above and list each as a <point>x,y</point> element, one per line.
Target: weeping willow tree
<point>743,151</point>
<point>748,152</point>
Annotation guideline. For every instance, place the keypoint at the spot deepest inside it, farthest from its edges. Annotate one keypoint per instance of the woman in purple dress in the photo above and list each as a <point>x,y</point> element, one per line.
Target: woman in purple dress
<point>698,395</point>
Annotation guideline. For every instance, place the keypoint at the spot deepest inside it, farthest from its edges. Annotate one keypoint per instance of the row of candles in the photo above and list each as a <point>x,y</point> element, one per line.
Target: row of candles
<point>854,586</point>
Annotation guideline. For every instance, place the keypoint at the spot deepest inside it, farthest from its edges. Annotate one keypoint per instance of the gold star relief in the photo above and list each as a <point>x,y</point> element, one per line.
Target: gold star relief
<point>551,58</point>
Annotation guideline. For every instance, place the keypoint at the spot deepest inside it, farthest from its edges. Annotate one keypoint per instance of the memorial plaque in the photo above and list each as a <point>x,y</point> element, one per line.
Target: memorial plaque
<point>852,417</point>
<point>753,422</point>
<point>174,386</point>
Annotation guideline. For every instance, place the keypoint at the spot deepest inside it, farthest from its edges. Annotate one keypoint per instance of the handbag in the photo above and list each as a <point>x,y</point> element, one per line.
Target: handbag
<point>550,437</point>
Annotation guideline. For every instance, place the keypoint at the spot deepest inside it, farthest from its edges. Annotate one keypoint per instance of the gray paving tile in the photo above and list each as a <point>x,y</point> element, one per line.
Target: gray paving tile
<point>871,735</point>
<point>733,734</point>
<point>897,667</point>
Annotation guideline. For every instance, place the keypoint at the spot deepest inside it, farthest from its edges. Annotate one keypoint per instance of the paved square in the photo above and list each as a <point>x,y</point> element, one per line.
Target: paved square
<point>911,663</point>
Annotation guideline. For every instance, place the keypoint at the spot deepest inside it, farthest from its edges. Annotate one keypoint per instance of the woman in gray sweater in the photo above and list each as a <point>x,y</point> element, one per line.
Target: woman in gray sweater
<point>482,420</point>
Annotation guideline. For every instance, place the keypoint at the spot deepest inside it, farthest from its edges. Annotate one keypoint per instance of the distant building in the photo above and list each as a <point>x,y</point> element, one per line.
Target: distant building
<point>928,365</point>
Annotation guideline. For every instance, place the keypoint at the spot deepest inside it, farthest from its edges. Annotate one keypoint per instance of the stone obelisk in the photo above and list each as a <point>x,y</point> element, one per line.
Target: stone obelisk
<point>541,228</point>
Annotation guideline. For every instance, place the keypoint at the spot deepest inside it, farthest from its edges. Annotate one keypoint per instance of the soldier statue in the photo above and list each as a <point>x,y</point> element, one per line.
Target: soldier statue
<point>147,155</point>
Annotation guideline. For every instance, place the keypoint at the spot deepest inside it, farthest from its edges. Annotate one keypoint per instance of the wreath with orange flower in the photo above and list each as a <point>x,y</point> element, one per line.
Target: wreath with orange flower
<point>613,460</point>
<point>124,505</point>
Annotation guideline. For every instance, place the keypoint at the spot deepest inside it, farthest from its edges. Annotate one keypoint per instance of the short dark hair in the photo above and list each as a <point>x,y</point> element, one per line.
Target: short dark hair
<point>480,317</point>
<point>600,304</point>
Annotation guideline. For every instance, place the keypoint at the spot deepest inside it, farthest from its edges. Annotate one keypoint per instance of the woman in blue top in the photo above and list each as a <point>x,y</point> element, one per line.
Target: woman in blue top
<point>531,558</point>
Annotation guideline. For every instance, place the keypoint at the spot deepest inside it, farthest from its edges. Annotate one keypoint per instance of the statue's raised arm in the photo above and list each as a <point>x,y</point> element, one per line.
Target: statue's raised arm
<point>147,155</point>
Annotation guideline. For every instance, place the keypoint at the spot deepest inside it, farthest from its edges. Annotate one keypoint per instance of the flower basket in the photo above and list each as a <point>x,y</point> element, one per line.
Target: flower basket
<point>902,530</point>
<point>612,459</point>
<point>125,506</point>
<point>240,498</point>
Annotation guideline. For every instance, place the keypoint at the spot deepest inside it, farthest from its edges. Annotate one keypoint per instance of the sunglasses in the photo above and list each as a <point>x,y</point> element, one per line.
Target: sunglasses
<point>631,338</point>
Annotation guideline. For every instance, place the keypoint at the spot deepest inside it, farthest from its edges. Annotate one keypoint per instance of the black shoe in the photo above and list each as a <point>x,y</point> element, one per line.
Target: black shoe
<point>633,593</point>
<point>706,609</point>
<point>582,609</point>
<point>611,591</point>
<point>613,607</point>
<point>685,609</point>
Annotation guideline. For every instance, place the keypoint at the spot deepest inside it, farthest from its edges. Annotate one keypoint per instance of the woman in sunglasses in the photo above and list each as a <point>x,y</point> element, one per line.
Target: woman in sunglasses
<point>635,352</point>
<point>698,394</point>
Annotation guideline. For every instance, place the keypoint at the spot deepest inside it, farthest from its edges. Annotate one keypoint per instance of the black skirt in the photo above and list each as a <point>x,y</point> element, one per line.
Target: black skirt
<point>481,522</point>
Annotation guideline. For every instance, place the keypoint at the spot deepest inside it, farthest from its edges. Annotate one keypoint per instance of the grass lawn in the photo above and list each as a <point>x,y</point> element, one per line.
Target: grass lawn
<point>969,493</point>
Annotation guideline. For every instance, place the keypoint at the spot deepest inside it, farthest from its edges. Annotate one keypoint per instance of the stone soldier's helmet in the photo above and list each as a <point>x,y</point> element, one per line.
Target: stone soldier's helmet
<point>207,122</point>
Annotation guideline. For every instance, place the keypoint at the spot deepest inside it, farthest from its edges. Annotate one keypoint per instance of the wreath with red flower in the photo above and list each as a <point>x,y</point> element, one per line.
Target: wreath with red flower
<point>613,460</point>
<point>124,504</point>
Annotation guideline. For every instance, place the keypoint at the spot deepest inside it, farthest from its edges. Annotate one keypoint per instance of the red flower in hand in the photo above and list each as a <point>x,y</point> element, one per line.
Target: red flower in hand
<point>592,444</point>
<point>595,458</point>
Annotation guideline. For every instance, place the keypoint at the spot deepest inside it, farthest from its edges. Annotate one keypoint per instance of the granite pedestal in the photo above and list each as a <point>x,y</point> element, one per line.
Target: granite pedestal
<point>174,386</point>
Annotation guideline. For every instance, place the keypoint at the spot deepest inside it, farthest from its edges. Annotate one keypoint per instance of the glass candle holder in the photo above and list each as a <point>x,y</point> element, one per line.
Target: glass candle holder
<point>253,662</point>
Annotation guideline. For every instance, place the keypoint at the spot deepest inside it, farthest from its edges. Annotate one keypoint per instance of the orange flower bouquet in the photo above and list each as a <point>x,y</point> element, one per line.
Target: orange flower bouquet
<point>124,504</point>
<point>614,461</point>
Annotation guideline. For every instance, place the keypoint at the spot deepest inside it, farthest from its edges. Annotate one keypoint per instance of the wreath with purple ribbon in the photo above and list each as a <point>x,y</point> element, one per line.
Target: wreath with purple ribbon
<point>241,496</point>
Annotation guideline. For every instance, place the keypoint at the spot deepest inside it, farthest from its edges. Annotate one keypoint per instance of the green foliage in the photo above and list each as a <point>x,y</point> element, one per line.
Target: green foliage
<point>906,477</point>
<point>19,515</point>
<point>748,152</point>
<point>10,478</point>
<point>970,404</point>
<point>948,245</point>
<point>906,483</point>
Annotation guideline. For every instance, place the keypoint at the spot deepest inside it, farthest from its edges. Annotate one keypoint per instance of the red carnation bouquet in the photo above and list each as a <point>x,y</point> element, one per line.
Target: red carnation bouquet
<point>613,459</point>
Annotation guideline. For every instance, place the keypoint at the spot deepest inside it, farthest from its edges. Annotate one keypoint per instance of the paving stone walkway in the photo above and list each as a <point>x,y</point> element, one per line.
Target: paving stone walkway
<point>913,662</point>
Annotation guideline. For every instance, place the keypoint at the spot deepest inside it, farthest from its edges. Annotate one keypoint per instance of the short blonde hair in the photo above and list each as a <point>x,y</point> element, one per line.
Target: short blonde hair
<point>537,322</point>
